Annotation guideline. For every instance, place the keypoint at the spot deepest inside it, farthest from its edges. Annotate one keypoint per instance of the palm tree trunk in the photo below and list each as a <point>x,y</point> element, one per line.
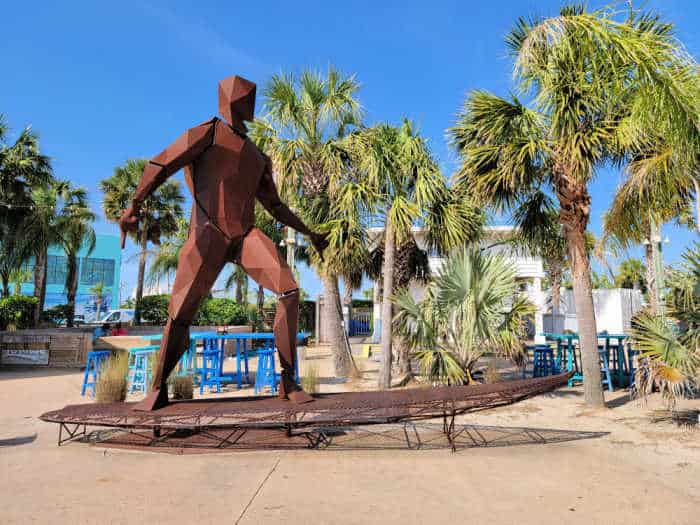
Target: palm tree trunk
<point>261,305</point>
<point>140,277</point>
<point>5,286</point>
<point>331,295</point>
<point>574,214</point>
<point>387,310</point>
<point>40,283</point>
<point>71,287</point>
<point>696,185</point>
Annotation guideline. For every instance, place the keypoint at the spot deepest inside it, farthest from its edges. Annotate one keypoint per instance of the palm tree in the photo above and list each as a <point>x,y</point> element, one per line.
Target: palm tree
<point>631,274</point>
<point>43,230</point>
<point>470,307</point>
<point>159,212</point>
<point>238,278</point>
<point>76,233</point>
<point>99,291</point>
<point>19,277</point>
<point>307,117</point>
<point>164,263</point>
<point>539,231</point>
<point>22,168</point>
<point>670,359</point>
<point>402,184</point>
<point>595,83</point>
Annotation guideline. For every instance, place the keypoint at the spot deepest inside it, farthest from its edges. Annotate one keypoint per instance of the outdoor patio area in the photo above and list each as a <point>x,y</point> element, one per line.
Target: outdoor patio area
<point>589,467</point>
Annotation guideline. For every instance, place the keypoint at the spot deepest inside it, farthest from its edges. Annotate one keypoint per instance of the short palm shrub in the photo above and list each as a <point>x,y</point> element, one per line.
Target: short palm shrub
<point>471,307</point>
<point>182,387</point>
<point>669,345</point>
<point>111,385</point>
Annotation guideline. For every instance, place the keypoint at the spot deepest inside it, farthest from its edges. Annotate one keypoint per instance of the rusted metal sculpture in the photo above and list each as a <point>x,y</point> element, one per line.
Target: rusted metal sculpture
<point>328,410</point>
<point>226,173</point>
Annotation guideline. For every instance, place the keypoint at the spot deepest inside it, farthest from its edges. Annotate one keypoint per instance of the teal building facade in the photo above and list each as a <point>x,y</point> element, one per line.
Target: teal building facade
<point>101,265</point>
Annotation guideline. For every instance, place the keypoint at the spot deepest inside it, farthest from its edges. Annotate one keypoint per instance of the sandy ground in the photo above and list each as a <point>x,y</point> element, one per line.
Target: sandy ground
<point>637,472</point>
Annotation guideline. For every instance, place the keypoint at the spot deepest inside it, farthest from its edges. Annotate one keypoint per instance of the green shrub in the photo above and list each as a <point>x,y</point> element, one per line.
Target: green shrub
<point>220,312</point>
<point>111,386</point>
<point>154,308</point>
<point>17,311</point>
<point>57,314</point>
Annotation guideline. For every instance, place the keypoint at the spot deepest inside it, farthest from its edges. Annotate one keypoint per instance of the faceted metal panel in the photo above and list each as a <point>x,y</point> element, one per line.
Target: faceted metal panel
<point>226,173</point>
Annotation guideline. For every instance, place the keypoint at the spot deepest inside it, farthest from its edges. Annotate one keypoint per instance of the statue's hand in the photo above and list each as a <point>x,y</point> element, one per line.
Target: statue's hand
<point>320,242</point>
<point>129,222</point>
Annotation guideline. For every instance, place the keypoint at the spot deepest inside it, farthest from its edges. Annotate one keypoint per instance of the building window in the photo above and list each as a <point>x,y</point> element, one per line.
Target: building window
<point>56,269</point>
<point>97,271</point>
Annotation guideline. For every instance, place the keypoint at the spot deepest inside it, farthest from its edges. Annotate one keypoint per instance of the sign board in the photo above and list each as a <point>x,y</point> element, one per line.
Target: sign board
<point>21,356</point>
<point>26,350</point>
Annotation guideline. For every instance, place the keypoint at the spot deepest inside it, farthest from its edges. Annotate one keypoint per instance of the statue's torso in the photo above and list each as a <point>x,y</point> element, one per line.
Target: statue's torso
<point>224,181</point>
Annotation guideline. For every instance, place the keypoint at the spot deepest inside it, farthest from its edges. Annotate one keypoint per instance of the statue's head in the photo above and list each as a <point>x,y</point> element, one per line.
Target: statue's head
<point>237,100</point>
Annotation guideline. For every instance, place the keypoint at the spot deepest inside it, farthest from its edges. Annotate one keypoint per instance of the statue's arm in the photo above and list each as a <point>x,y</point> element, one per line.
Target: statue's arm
<point>270,199</point>
<point>179,154</point>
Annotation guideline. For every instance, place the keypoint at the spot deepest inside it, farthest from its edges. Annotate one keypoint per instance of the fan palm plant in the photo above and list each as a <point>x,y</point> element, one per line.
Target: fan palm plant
<point>670,344</point>
<point>596,82</point>
<point>159,212</point>
<point>470,307</point>
<point>307,117</point>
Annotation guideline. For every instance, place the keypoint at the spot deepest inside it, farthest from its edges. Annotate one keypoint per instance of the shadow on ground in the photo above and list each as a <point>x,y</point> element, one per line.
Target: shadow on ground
<point>16,441</point>
<point>404,436</point>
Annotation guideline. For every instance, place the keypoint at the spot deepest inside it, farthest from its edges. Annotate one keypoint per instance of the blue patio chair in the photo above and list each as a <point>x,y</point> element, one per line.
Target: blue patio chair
<point>265,375</point>
<point>93,367</point>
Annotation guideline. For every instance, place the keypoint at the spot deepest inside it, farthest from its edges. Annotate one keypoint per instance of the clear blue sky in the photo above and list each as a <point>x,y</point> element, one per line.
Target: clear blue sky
<point>105,81</point>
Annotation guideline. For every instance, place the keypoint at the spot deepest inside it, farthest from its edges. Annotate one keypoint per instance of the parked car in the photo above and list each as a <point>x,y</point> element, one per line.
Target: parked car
<point>118,316</point>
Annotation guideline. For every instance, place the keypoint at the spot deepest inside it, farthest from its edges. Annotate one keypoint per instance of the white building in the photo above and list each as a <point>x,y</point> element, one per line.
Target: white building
<point>529,272</point>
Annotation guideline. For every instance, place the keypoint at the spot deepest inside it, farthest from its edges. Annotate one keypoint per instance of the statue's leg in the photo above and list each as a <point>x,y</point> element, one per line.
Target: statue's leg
<point>201,259</point>
<point>262,261</point>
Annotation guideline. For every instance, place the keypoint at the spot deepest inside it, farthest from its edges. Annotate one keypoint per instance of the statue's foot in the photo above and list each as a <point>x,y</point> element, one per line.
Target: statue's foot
<point>153,401</point>
<point>288,389</point>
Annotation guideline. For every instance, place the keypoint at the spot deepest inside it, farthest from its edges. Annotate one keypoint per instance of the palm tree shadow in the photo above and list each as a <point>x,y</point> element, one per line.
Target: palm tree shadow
<point>17,441</point>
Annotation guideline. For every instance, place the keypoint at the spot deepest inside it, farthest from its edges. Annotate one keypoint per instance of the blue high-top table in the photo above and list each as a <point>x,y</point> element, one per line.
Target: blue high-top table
<point>189,360</point>
<point>623,362</point>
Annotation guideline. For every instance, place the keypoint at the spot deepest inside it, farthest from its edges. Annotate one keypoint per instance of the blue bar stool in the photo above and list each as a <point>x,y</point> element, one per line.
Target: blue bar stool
<point>139,374</point>
<point>543,361</point>
<point>211,365</point>
<point>604,355</point>
<point>265,375</point>
<point>95,361</point>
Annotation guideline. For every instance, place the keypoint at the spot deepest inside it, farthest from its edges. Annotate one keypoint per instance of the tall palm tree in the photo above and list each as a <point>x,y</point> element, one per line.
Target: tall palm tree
<point>22,168</point>
<point>99,291</point>
<point>159,212</point>
<point>43,229</point>
<point>401,183</point>
<point>76,233</point>
<point>307,117</point>
<point>595,83</point>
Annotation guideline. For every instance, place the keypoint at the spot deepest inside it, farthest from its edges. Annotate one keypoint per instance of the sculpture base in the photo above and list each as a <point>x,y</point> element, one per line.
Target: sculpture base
<point>234,414</point>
